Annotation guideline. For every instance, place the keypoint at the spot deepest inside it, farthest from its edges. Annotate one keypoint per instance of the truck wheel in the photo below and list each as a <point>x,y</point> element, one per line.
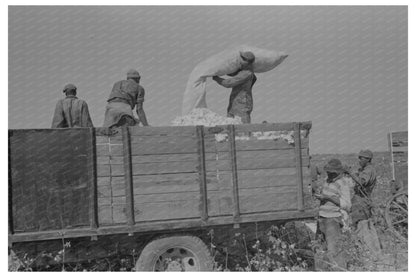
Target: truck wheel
<point>175,253</point>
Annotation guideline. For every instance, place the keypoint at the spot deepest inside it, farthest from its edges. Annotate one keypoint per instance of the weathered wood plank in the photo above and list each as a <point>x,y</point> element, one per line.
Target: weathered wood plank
<point>234,173</point>
<point>247,164</point>
<point>110,170</point>
<point>167,210</point>
<point>202,174</point>
<point>105,213</point>
<point>400,149</point>
<point>272,127</point>
<point>258,181</point>
<point>128,179</point>
<point>164,158</point>
<point>256,199</point>
<point>185,131</point>
<point>150,147</point>
<point>256,154</point>
<point>109,149</point>
<point>166,197</point>
<point>299,164</point>
<point>164,168</point>
<point>243,145</point>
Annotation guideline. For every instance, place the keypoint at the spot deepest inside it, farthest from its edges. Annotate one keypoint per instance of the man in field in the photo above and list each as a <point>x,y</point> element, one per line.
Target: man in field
<point>241,82</point>
<point>335,203</point>
<point>365,180</point>
<point>71,112</point>
<point>126,95</point>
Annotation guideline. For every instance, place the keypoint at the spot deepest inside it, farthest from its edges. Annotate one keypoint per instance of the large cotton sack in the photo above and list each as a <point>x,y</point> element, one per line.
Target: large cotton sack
<point>223,63</point>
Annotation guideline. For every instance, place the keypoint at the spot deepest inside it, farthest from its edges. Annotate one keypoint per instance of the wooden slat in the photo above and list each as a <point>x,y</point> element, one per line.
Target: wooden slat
<point>258,180</point>
<point>185,131</point>
<point>164,145</point>
<point>166,197</point>
<point>128,178</point>
<point>244,145</point>
<point>167,210</point>
<point>92,180</point>
<point>299,165</point>
<point>399,149</point>
<point>236,202</point>
<point>247,164</point>
<point>202,173</point>
<point>164,168</point>
<point>164,183</point>
<point>110,170</point>
<point>255,199</point>
<point>109,149</point>
<point>257,154</point>
<point>272,127</point>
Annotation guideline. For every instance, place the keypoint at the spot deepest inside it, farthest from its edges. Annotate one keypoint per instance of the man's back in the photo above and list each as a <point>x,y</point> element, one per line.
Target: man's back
<point>127,90</point>
<point>71,112</point>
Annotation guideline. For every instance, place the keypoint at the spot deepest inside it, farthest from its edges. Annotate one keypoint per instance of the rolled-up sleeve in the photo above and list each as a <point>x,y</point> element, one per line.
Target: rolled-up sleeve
<point>140,95</point>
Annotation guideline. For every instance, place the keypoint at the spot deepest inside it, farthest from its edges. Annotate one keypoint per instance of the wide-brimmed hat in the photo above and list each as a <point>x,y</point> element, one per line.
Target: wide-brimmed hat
<point>334,165</point>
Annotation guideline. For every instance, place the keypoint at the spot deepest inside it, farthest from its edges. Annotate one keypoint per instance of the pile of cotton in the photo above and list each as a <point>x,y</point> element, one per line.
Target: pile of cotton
<point>204,117</point>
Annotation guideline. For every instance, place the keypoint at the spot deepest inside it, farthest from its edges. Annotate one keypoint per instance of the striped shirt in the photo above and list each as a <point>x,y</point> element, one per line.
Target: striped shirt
<point>339,188</point>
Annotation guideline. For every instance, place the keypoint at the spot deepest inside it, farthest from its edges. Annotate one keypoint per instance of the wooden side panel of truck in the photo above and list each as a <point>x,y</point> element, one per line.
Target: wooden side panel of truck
<point>79,182</point>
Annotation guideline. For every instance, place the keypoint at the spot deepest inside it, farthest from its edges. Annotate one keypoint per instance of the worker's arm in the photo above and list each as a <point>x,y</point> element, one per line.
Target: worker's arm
<point>58,120</point>
<point>86,118</point>
<point>139,108</point>
<point>238,79</point>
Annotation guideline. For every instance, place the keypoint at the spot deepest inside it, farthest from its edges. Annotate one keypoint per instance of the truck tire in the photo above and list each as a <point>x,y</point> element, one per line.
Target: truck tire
<point>175,253</point>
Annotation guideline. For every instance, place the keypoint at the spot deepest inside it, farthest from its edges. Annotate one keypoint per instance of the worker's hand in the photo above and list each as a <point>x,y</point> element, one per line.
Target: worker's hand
<point>347,169</point>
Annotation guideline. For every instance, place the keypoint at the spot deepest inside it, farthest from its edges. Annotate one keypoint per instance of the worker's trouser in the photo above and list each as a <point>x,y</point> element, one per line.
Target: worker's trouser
<point>360,210</point>
<point>331,228</point>
<point>245,116</point>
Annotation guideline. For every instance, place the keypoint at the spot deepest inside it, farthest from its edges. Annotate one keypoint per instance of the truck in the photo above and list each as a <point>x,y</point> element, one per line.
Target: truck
<point>153,190</point>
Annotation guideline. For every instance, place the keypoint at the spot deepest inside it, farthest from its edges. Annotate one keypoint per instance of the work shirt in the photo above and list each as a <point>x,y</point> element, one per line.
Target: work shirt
<point>340,189</point>
<point>127,91</point>
<point>71,112</point>
<point>241,98</point>
<point>368,175</point>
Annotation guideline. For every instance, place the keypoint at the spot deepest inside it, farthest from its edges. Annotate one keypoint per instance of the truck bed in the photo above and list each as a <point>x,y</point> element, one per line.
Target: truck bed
<point>80,182</point>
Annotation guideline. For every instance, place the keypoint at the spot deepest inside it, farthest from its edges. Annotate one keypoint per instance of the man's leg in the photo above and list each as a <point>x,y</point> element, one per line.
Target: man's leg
<point>332,236</point>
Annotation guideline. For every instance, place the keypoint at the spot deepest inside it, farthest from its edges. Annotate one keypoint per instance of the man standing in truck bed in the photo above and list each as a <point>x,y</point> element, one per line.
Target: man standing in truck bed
<point>71,112</point>
<point>241,98</point>
<point>125,95</point>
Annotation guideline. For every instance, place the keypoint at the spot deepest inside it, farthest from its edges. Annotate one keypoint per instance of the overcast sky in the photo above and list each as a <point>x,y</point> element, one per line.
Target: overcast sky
<point>346,70</point>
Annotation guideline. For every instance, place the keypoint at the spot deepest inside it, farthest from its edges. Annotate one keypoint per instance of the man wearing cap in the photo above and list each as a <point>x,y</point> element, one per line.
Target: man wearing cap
<point>241,82</point>
<point>71,112</point>
<point>335,203</point>
<point>126,95</point>
<point>365,180</point>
